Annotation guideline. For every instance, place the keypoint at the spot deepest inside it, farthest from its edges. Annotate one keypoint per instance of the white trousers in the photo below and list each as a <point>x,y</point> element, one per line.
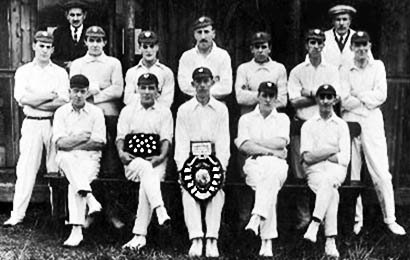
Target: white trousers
<point>324,179</point>
<point>372,142</point>
<point>35,134</point>
<point>149,196</point>
<point>80,168</point>
<point>266,175</point>
<point>213,212</point>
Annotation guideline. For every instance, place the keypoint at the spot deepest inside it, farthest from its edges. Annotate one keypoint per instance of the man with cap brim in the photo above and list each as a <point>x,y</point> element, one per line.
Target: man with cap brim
<point>204,119</point>
<point>325,152</point>
<point>79,135</point>
<point>146,116</point>
<point>364,90</point>
<point>106,86</point>
<point>263,135</point>
<point>304,79</point>
<point>40,88</point>
<point>69,38</point>
<point>206,53</point>
<point>149,45</point>
<point>261,68</point>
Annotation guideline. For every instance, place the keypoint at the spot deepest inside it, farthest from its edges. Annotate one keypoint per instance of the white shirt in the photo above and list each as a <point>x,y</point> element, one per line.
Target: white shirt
<point>369,86</point>
<point>306,76</point>
<point>251,74</point>
<point>33,79</point>
<point>253,126</point>
<point>317,133</point>
<point>166,83</point>
<point>78,33</point>
<point>218,61</point>
<point>196,122</point>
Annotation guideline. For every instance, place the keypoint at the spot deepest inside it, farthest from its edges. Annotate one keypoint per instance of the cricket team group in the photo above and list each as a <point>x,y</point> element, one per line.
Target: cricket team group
<point>72,95</point>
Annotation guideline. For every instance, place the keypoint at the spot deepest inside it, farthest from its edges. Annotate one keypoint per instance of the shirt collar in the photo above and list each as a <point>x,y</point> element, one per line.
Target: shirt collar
<point>79,29</point>
<point>317,117</point>
<point>308,63</point>
<point>257,112</point>
<point>352,65</point>
<point>89,58</point>
<point>211,103</point>
<point>262,64</point>
<point>85,109</point>
<point>140,64</point>
<point>35,63</point>
<point>214,46</point>
<point>139,107</point>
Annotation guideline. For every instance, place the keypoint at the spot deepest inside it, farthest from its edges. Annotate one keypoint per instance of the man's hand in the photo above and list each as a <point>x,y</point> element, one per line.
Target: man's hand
<point>282,154</point>
<point>83,136</point>
<point>155,160</point>
<point>125,157</point>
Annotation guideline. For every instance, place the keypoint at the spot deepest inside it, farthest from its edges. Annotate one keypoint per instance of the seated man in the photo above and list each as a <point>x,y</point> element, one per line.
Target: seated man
<point>263,135</point>
<point>79,134</point>
<point>204,120</point>
<point>145,117</point>
<point>325,151</point>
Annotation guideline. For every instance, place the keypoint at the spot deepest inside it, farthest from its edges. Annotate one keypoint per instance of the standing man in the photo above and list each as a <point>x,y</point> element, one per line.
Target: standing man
<point>105,91</point>
<point>79,134</point>
<point>69,39</point>
<point>304,80</point>
<point>206,54</point>
<point>202,119</point>
<point>325,149</point>
<point>146,116</point>
<point>149,63</point>
<point>263,135</point>
<point>261,68</point>
<point>40,88</point>
<point>364,87</point>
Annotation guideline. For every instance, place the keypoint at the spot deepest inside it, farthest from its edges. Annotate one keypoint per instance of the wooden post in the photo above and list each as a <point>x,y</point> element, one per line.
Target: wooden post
<point>112,42</point>
<point>15,33</point>
<point>129,34</point>
<point>295,37</point>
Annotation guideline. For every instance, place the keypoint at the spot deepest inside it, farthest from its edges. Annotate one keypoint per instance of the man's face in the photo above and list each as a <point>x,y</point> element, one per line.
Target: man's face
<point>266,101</point>
<point>325,102</point>
<point>203,86</point>
<point>43,51</point>
<point>95,45</point>
<point>314,47</point>
<point>78,96</point>
<point>204,37</point>
<point>76,16</point>
<point>148,94</point>
<point>149,51</point>
<point>342,22</point>
<point>361,50</point>
<point>261,51</point>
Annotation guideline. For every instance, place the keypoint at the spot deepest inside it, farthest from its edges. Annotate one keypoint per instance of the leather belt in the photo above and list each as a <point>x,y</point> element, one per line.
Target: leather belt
<point>40,117</point>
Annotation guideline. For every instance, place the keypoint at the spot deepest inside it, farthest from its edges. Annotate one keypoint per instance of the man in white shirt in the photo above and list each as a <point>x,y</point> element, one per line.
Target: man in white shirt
<point>263,135</point>
<point>204,119</point>
<point>364,90</point>
<point>206,54</point>
<point>261,68</point>
<point>40,88</point>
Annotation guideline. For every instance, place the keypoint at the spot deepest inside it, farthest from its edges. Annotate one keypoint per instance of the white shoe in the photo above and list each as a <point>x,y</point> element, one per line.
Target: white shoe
<point>211,249</point>
<point>93,205</point>
<point>311,232</point>
<point>266,248</point>
<point>330,248</point>
<point>196,248</point>
<point>253,224</point>
<point>396,229</point>
<point>12,221</point>
<point>136,243</point>
<point>357,227</point>
<point>75,238</point>
<point>162,215</point>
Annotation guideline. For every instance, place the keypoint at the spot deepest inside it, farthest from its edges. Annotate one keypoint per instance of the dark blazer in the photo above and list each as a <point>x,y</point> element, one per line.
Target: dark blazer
<point>65,48</point>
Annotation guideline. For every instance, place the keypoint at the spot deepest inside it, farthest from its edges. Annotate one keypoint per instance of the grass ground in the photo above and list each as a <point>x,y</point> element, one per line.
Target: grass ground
<point>40,238</point>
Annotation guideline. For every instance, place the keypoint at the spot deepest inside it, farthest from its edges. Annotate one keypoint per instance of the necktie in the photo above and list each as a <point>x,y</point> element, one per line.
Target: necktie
<point>340,43</point>
<point>75,34</point>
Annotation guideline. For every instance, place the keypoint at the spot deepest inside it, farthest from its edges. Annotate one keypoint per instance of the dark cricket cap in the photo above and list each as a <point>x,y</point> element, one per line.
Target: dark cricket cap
<point>202,22</point>
<point>326,89</point>
<point>202,72</point>
<point>260,37</point>
<point>95,31</point>
<point>342,9</point>
<point>147,79</point>
<point>149,37</point>
<point>43,36</point>
<point>315,34</point>
<point>360,36</point>
<point>268,87</point>
<point>79,81</point>
<point>75,4</point>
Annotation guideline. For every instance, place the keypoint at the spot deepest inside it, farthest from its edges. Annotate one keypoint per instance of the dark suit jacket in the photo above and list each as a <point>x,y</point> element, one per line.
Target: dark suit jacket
<point>65,48</point>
